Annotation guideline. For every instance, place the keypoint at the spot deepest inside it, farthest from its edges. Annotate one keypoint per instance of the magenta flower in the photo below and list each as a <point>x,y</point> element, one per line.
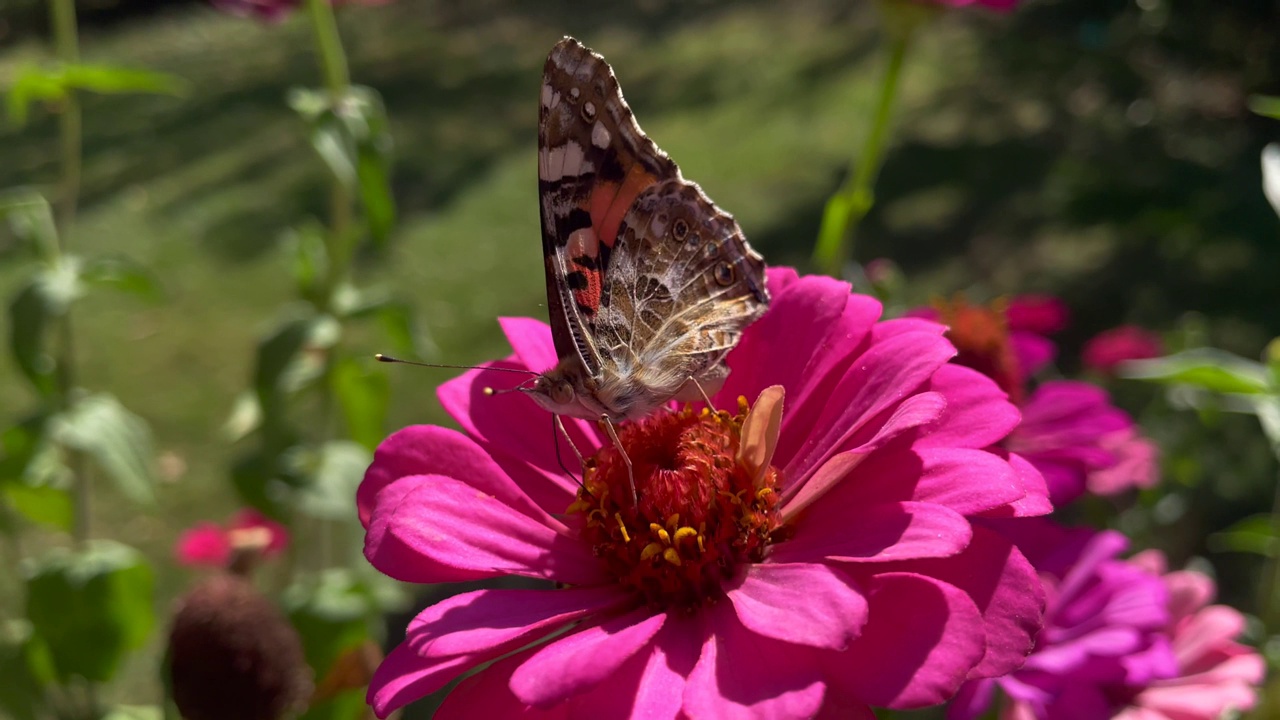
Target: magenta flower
<point>779,561</point>
<point>1216,675</point>
<point>1104,637</point>
<point>1108,349</point>
<point>274,10</point>
<point>1070,431</point>
<point>998,5</point>
<point>209,544</point>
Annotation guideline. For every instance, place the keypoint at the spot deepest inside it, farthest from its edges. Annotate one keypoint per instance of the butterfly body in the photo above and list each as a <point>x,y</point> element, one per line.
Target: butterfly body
<point>649,284</point>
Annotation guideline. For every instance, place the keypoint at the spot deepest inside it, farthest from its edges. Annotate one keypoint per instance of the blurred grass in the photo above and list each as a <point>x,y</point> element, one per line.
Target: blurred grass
<point>1021,164</point>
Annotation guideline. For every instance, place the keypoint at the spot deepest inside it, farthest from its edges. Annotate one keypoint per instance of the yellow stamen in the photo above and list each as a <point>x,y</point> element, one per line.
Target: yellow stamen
<point>683,533</point>
<point>671,556</point>
<point>622,527</point>
<point>650,551</point>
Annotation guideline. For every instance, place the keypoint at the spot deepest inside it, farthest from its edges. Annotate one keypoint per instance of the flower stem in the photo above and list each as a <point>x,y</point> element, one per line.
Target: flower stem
<point>67,47</point>
<point>851,203</point>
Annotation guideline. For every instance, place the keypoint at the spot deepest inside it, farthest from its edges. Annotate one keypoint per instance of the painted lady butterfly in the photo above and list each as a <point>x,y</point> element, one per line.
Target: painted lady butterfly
<point>649,284</point>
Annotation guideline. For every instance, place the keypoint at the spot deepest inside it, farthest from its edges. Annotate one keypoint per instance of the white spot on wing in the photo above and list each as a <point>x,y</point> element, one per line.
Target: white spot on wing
<point>600,136</point>
<point>583,242</point>
<point>557,162</point>
<point>547,93</point>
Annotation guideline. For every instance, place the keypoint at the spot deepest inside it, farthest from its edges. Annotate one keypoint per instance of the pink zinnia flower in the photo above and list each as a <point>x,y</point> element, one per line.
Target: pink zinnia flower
<point>274,10</point>
<point>1070,430</point>
<point>1216,674</point>
<point>998,5</point>
<point>211,545</point>
<point>1108,349</point>
<point>1104,635</point>
<point>779,562</point>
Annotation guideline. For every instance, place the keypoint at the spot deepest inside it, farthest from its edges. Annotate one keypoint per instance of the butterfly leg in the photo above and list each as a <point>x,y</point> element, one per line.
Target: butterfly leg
<point>558,424</point>
<point>631,475</point>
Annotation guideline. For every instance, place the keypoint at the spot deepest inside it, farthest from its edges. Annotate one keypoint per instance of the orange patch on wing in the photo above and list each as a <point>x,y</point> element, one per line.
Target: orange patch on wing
<point>589,297</point>
<point>610,202</point>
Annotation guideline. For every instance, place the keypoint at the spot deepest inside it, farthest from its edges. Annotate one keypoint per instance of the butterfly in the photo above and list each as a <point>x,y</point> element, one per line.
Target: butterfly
<point>649,284</point>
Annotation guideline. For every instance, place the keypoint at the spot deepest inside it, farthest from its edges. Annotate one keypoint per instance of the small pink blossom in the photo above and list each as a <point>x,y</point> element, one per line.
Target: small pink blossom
<point>849,570</point>
<point>209,544</point>
<point>274,10</point>
<point>1123,639</point>
<point>1216,675</point>
<point>1103,636</point>
<point>1105,351</point>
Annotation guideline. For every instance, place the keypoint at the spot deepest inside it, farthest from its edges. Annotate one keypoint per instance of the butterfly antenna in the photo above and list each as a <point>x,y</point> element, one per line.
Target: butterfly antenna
<point>558,425</point>
<point>388,359</point>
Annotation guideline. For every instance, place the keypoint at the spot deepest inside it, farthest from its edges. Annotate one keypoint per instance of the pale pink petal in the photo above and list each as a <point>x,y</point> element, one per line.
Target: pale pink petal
<point>432,450</point>
<point>1204,632</point>
<point>1207,701</point>
<point>744,676</point>
<point>465,631</point>
<point>251,519</point>
<point>814,605</point>
<point>1188,591</point>
<point>574,663</point>
<point>978,415</point>
<point>885,532</point>
<point>888,373</point>
<point>434,522</point>
<point>922,638</point>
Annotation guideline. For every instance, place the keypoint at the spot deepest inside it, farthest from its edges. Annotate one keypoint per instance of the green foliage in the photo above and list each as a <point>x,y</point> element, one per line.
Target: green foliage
<point>1205,369</point>
<point>364,395</point>
<point>52,85</point>
<point>90,608</point>
<point>31,220</point>
<point>118,441</point>
<point>350,134</point>
<point>26,668</point>
<point>333,473</point>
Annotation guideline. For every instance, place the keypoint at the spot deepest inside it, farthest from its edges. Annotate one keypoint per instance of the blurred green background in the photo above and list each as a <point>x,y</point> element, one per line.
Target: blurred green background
<point>1098,150</point>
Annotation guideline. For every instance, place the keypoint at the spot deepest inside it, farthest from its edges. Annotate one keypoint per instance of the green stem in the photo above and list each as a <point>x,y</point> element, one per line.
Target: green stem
<point>854,199</point>
<point>62,16</point>
<point>66,41</point>
<point>1269,587</point>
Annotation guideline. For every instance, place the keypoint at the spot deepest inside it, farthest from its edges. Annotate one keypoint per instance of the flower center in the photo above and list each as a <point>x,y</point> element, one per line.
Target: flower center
<point>981,336</point>
<point>700,511</point>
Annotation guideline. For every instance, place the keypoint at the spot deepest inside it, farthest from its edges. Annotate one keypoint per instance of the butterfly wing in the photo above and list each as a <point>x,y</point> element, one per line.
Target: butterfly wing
<point>682,286</point>
<point>593,162</point>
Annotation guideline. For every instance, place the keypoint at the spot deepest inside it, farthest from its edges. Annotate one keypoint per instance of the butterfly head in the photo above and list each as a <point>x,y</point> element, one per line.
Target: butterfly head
<point>564,390</point>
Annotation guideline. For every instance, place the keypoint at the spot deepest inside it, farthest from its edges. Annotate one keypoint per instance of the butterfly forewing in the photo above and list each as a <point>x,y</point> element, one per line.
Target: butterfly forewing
<point>649,284</point>
<point>593,161</point>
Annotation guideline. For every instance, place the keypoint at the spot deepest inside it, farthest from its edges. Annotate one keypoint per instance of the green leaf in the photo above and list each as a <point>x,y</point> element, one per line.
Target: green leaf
<point>125,275</point>
<point>44,504</point>
<point>31,219</point>
<point>331,613</point>
<point>406,336</point>
<point>1265,105</point>
<point>1204,368</point>
<point>1267,409</point>
<point>134,712</point>
<point>245,417</point>
<point>24,665</point>
<point>110,80</point>
<point>373,163</point>
<point>292,356</point>
<point>363,394</point>
<point>310,260</point>
<point>29,322</point>
<point>31,85</point>
<point>1253,534</point>
<point>335,471</point>
<point>34,84</point>
<point>118,441</point>
<point>91,607</point>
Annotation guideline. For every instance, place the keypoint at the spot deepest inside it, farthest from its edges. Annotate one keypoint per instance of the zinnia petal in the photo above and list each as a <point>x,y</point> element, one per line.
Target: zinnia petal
<point>805,604</point>
<point>886,532</point>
